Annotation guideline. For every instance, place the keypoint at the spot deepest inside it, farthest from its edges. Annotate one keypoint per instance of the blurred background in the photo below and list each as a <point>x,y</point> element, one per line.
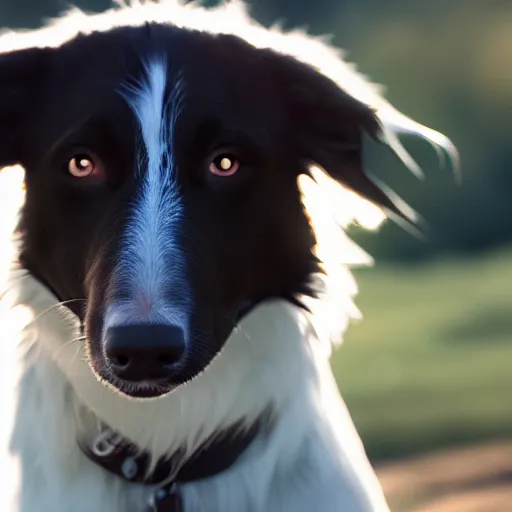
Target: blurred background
<point>428,374</point>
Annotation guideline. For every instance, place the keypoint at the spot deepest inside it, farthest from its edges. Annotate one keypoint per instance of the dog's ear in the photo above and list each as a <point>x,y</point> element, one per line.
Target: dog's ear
<point>327,126</point>
<point>21,73</point>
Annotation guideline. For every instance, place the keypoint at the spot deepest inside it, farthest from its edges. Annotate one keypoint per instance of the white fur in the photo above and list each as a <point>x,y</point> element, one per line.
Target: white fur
<point>149,242</point>
<point>311,458</point>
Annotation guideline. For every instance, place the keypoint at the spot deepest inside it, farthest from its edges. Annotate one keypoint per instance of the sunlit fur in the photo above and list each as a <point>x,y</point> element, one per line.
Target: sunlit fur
<point>312,459</point>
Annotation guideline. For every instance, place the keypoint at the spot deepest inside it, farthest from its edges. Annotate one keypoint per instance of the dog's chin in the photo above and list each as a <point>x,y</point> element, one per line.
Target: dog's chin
<point>144,390</point>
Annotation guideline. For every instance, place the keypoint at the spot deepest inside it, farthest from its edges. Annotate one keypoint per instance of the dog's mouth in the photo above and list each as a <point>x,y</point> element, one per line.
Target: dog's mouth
<point>155,367</point>
<point>154,388</point>
<point>146,389</point>
<point>156,381</point>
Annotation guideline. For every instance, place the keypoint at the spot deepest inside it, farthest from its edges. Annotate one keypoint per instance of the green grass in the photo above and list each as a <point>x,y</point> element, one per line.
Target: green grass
<point>431,363</point>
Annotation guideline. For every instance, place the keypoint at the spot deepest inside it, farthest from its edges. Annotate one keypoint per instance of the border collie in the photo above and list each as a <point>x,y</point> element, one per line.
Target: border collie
<point>168,319</point>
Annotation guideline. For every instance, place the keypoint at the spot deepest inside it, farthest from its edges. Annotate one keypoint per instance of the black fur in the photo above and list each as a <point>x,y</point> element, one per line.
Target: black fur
<point>246,238</point>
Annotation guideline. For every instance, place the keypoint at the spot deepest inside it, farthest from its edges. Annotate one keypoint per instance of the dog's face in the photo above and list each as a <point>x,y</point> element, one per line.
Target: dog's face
<point>161,174</point>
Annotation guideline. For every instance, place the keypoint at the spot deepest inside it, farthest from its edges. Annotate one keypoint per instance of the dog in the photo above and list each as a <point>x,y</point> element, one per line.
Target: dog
<point>172,302</point>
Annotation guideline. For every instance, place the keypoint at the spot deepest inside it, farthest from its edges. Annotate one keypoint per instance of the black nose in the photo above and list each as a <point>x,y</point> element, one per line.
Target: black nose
<point>144,352</point>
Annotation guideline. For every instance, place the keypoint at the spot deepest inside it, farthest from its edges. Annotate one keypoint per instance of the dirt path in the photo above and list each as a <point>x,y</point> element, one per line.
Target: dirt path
<point>476,479</point>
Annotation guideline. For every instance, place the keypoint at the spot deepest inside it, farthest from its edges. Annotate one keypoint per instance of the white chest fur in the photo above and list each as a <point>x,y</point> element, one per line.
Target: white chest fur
<point>311,460</point>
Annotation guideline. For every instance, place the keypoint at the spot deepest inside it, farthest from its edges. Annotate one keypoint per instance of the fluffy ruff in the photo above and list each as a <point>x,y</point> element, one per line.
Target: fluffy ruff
<point>310,458</point>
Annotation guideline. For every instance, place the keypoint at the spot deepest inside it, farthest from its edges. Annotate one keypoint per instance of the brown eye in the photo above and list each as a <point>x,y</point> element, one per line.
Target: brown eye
<point>224,165</point>
<point>82,166</point>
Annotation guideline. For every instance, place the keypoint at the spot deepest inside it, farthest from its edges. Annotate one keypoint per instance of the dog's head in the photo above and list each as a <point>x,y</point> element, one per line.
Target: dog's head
<point>161,184</point>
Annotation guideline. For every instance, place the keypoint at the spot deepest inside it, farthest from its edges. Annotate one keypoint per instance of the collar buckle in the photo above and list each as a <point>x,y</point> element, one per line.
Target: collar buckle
<point>106,443</point>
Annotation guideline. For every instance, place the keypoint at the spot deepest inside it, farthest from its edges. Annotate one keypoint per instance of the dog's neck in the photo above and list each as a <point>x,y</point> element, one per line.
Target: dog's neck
<point>259,368</point>
<point>122,458</point>
<point>273,359</point>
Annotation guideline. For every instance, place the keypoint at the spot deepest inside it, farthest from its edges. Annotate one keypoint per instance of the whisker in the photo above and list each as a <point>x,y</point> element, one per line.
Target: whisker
<point>51,309</point>
<point>237,327</point>
<point>55,306</point>
<point>67,344</point>
<point>77,353</point>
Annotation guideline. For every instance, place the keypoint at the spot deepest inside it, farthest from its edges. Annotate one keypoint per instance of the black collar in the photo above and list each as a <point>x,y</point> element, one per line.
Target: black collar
<point>122,458</point>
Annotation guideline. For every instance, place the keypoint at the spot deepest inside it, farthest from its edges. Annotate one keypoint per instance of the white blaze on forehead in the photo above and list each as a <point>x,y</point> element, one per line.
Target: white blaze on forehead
<point>151,263</point>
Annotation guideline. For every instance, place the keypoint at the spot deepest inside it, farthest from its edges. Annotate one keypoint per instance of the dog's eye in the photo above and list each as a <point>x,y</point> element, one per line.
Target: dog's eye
<point>84,165</point>
<point>224,165</point>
